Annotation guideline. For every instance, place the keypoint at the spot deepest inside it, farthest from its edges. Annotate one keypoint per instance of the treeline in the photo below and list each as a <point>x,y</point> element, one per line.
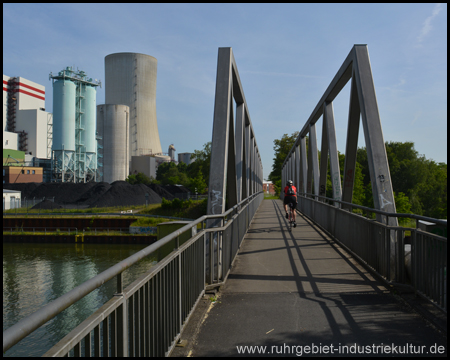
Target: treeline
<point>194,176</point>
<point>420,185</point>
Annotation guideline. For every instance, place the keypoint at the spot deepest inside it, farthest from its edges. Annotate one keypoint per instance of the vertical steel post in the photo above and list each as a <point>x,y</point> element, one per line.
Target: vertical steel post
<point>352,143</point>
<point>240,151</point>
<point>383,194</point>
<point>303,165</point>
<point>297,170</point>
<point>314,157</point>
<point>332,146</point>
<point>248,160</point>
<point>221,133</point>
<point>323,159</point>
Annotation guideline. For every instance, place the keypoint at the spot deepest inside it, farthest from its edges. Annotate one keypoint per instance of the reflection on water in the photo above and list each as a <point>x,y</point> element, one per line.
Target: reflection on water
<point>36,274</point>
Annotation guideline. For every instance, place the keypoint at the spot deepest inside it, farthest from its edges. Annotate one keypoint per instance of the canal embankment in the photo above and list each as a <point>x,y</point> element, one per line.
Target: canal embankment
<point>93,229</point>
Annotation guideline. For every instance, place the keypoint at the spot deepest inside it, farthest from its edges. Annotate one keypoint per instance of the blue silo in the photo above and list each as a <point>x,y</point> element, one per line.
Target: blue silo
<point>64,92</point>
<point>74,127</point>
<point>89,121</point>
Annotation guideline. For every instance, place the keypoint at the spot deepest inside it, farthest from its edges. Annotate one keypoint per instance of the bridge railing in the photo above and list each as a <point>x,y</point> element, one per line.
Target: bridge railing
<point>425,268</point>
<point>148,317</point>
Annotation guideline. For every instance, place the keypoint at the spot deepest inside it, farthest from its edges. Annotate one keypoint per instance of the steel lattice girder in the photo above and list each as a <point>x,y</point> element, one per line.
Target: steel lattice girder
<point>362,103</point>
<point>236,168</point>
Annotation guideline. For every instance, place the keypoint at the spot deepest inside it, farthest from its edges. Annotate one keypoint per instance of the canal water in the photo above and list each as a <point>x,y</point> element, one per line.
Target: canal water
<point>36,274</point>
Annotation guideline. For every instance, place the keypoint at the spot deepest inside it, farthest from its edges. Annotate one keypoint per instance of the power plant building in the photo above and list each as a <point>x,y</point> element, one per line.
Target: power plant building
<point>172,152</point>
<point>113,142</point>
<point>26,124</point>
<point>74,149</point>
<point>148,164</point>
<point>130,79</point>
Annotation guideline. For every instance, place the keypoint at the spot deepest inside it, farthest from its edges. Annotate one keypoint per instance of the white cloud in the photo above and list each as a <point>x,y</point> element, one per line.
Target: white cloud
<point>426,28</point>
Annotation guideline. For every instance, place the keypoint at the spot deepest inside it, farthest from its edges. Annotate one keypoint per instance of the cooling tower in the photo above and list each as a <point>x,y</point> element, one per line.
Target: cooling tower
<point>113,131</point>
<point>130,79</point>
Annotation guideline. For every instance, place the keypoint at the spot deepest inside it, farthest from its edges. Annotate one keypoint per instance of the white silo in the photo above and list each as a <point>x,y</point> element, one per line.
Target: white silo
<point>113,134</point>
<point>130,80</point>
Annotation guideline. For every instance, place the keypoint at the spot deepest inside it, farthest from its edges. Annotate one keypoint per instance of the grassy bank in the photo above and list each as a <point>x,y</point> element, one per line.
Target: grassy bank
<point>270,197</point>
<point>190,209</point>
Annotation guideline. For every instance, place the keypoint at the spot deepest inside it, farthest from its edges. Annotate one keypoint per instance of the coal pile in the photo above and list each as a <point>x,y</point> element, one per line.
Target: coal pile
<point>177,189</point>
<point>82,195</point>
<point>122,193</point>
<point>47,205</point>
<point>63,193</point>
<point>162,192</point>
<point>97,194</point>
<point>26,189</point>
<point>93,193</point>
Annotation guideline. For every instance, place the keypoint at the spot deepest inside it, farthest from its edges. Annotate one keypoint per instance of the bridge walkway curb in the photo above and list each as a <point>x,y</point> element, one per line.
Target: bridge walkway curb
<point>297,289</point>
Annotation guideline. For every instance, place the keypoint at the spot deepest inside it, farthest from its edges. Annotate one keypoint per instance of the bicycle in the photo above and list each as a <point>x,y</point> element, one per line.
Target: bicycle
<point>291,216</point>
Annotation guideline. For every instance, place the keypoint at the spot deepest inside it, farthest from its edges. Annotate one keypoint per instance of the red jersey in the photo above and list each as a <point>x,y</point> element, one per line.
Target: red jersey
<point>287,188</point>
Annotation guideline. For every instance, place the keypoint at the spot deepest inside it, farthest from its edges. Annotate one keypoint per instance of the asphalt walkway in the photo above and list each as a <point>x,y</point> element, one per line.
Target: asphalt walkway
<point>300,294</point>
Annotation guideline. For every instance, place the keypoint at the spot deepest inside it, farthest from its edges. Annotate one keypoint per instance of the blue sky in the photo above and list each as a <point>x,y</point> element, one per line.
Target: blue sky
<point>286,55</point>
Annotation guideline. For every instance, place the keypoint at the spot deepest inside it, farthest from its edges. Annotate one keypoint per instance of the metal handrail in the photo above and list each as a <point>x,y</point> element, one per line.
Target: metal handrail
<point>381,212</point>
<point>58,229</point>
<point>382,247</point>
<point>26,326</point>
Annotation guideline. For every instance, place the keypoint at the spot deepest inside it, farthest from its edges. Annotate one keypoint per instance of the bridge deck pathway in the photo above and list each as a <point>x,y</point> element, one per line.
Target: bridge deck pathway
<point>301,288</point>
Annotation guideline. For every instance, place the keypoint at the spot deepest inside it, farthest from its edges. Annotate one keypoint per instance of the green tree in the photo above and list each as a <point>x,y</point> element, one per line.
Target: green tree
<point>281,148</point>
<point>202,163</point>
<point>402,205</point>
<point>194,175</point>
<point>172,174</point>
<point>432,192</point>
<point>359,191</point>
<point>143,179</point>
<point>277,187</point>
<point>131,179</point>
<point>407,168</point>
<point>166,170</point>
<point>198,183</point>
<point>139,178</point>
<point>423,182</point>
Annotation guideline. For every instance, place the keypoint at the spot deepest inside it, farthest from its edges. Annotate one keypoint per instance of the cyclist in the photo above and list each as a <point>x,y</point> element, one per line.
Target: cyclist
<point>290,196</point>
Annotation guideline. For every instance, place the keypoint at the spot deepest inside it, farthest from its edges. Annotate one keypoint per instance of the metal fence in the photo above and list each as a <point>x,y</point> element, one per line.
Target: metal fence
<point>147,318</point>
<point>382,247</point>
<point>18,203</point>
<point>70,230</point>
<point>189,195</point>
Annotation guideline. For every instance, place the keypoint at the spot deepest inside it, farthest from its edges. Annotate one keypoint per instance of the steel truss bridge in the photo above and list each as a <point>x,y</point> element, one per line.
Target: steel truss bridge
<point>148,317</point>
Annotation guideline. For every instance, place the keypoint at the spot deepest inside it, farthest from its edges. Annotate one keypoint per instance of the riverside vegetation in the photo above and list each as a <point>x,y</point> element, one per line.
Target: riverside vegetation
<point>186,209</point>
<point>420,185</point>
